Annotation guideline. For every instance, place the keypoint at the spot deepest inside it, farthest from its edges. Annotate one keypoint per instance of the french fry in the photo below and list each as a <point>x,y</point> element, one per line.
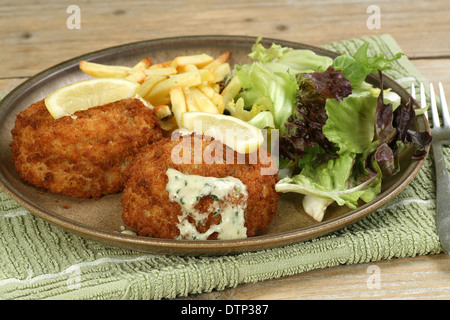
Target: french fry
<point>137,76</point>
<point>104,71</point>
<point>160,94</point>
<point>178,101</point>
<point>164,64</point>
<point>212,95</point>
<point>217,100</point>
<point>143,64</point>
<point>185,84</point>
<point>199,60</point>
<point>222,71</point>
<point>203,103</point>
<point>186,68</point>
<point>231,90</point>
<point>207,90</point>
<point>168,71</point>
<point>218,61</point>
<point>207,76</point>
<point>190,102</point>
<point>163,112</point>
<point>148,85</point>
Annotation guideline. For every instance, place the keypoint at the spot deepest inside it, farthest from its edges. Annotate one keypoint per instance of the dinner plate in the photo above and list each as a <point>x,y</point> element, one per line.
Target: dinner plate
<point>101,220</point>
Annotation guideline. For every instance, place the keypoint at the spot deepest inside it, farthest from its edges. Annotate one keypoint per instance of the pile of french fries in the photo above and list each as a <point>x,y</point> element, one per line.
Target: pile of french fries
<point>184,84</point>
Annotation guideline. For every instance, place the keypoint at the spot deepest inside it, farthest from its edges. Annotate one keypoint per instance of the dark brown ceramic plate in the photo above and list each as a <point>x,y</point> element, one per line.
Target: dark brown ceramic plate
<point>101,219</point>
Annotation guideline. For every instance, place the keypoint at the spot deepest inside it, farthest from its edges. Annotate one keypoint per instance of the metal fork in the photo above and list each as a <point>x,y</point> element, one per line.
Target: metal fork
<point>441,135</point>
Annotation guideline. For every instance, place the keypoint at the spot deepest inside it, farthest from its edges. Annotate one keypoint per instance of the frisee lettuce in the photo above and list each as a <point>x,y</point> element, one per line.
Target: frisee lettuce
<point>269,81</point>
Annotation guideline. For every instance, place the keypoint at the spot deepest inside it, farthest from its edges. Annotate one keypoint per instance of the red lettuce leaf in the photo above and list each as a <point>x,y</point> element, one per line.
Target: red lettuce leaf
<point>304,126</point>
<point>393,131</point>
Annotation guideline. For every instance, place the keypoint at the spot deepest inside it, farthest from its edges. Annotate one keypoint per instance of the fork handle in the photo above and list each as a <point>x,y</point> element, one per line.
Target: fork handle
<point>442,197</point>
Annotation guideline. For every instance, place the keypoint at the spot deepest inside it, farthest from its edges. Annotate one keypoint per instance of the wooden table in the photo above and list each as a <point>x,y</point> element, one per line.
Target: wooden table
<point>35,36</point>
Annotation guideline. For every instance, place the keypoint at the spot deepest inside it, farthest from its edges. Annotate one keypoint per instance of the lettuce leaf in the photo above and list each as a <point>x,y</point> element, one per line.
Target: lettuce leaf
<point>334,180</point>
<point>304,126</point>
<point>357,67</point>
<point>351,123</point>
<point>274,91</point>
<point>263,120</point>
<point>368,136</point>
<point>338,137</point>
<point>269,81</point>
<point>284,59</point>
<point>393,132</point>
<point>403,119</point>
<point>353,174</point>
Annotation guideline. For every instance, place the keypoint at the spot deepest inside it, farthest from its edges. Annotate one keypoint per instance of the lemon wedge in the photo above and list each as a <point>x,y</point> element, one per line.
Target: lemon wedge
<point>233,132</point>
<point>86,94</point>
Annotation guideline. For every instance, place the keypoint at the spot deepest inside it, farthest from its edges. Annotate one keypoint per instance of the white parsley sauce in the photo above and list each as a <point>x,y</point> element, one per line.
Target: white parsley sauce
<point>187,190</point>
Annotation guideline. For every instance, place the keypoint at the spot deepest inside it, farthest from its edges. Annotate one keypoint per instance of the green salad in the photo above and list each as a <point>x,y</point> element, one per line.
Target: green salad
<point>339,136</point>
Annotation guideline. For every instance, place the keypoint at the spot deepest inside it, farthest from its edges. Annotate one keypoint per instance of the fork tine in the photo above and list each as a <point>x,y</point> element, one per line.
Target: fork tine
<point>413,91</point>
<point>434,111</point>
<point>444,107</point>
<point>423,99</point>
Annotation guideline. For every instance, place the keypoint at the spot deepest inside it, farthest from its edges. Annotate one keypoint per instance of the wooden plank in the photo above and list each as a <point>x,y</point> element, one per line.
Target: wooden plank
<point>35,35</point>
<point>424,277</point>
<point>436,70</point>
<point>8,84</point>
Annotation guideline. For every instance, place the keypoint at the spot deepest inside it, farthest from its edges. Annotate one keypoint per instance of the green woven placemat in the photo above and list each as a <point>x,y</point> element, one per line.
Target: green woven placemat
<point>41,261</point>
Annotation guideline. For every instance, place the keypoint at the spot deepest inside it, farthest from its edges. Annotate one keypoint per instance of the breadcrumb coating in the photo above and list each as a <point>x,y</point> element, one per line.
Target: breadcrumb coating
<point>145,201</point>
<point>84,155</point>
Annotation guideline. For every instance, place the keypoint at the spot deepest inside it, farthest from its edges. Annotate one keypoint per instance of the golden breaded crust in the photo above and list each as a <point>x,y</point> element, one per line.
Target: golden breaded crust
<point>85,155</point>
<point>145,201</point>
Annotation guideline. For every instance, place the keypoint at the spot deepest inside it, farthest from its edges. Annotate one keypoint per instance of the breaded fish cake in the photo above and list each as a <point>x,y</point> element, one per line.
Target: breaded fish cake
<point>156,208</point>
<point>84,155</point>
